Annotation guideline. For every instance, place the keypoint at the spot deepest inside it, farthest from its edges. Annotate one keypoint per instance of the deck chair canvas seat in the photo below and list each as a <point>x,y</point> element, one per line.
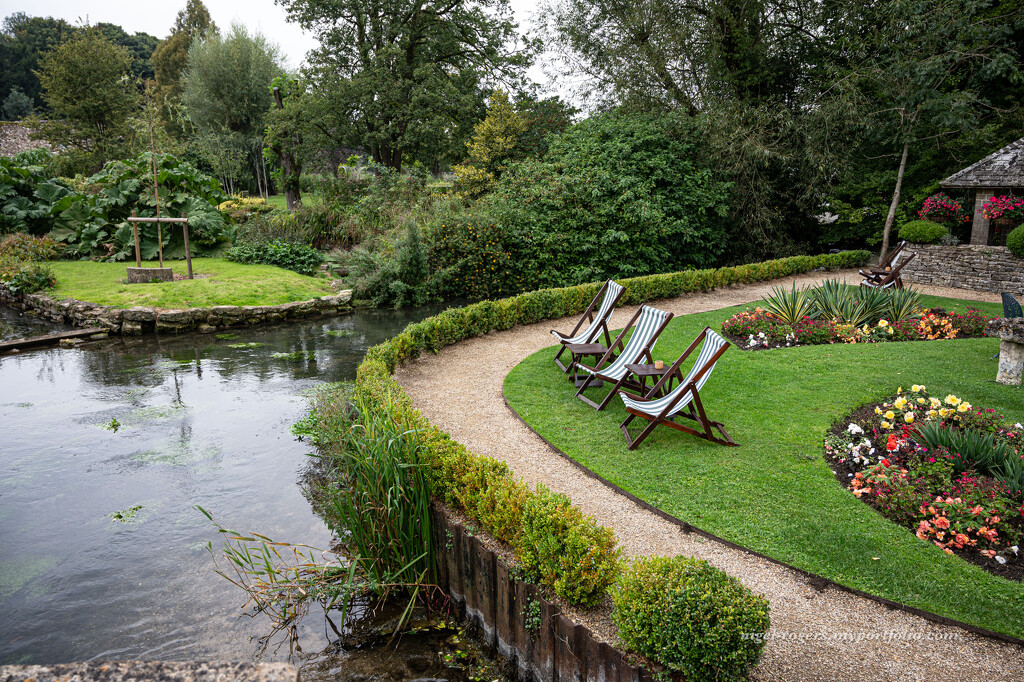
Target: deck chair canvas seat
<point>892,279</point>
<point>682,401</point>
<point>608,296</point>
<point>1011,306</point>
<point>647,323</point>
<point>886,265</point>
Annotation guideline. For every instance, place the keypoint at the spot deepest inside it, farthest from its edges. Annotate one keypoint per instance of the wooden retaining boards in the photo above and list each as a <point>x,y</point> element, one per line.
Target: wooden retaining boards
<point>48,339</point>
<point>559,650</point>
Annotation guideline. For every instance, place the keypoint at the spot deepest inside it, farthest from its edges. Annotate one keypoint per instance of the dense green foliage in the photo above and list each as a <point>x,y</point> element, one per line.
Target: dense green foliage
<point>615,196</point>
<point>922,232</point>
<point>691,617</point>
<point>93,222</point>
<point>170,58</point>
<point>17,105</point>
<point>1015,241</point>
<point>20,270</point>
<point>300,258</point>
<point>28,191</point>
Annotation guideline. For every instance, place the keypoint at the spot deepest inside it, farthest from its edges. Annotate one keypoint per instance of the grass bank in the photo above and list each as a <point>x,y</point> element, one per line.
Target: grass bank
<point>227,283</point>
<point>775,494</point>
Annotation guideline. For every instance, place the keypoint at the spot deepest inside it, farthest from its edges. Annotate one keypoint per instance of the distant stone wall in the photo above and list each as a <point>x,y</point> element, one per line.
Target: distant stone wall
<point>141,320</point>
<point>14,138</point>
<point>967,266</point>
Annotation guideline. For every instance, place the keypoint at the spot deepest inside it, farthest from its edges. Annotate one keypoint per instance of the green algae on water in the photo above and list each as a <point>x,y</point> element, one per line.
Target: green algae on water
<point>125,515</point>
<point>252,344</point>
<point>296,356</point>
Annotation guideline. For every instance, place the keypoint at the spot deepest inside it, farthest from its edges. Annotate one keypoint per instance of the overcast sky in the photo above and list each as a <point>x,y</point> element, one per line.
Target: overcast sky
<point>156,18</point>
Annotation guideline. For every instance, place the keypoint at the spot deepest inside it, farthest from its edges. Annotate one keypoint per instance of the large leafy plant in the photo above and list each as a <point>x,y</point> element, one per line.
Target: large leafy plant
<point>28,191</point>
<point>94,223</point>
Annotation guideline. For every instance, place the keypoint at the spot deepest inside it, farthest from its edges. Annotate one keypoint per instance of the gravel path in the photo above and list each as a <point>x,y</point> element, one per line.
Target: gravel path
<point>813,631</point>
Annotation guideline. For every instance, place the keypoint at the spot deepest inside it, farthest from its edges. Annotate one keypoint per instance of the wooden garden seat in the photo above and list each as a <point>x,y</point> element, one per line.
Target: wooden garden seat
<point>609,296</point>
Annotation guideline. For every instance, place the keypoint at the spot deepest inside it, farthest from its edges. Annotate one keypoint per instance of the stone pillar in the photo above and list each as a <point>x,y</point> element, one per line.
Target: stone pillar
<point>1010,332</point>
<point>980,227</point>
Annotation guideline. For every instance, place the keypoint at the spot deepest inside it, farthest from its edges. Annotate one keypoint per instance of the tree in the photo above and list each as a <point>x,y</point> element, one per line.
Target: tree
<point>87,83</point>
<point>287,123</point>
<point>402,75</point>
<point>170,57</point>
<point>17,105</point>
<point>139,45</point>
<point>227,95</point>
<point>915,72</point>
<point>23,40</point>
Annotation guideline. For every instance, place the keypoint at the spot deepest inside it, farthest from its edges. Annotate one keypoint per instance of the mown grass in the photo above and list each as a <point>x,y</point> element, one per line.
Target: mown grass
<point>228,284</point>
<point>775,494</point>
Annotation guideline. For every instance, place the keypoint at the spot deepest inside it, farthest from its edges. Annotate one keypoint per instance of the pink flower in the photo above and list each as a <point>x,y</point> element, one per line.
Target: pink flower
<point>942,522</point>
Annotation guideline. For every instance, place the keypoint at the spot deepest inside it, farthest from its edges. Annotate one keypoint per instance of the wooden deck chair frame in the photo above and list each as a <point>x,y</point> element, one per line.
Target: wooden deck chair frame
<point>880,270</point>
<point>695,408</point>
<point>892,279</point>
<point>588,318</point>
<point>624,380</point>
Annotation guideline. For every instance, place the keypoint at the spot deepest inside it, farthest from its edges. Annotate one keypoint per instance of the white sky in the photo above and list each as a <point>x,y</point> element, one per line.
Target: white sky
<point>156,18</point>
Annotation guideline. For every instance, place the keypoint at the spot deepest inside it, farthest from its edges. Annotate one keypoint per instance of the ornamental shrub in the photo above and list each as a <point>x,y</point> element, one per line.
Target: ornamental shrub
<point>1015,241</point>
<point>922,232</point>
<point>691,617</point>
<point>298,257</point>
<point>566,549</point>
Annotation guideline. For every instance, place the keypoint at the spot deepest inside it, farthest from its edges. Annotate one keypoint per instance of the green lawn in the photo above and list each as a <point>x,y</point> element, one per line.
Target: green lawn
<point>228,284</point>
<point>775,494</point>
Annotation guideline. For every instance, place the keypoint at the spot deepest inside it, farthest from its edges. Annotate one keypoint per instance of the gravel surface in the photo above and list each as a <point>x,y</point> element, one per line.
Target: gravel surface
<point>815,634</point>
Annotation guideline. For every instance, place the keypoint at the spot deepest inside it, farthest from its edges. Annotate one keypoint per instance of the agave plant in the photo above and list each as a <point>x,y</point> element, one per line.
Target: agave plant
<point>789,306</point>
<point>831,298</point>
<point>867,306</point>
<point>904,304</point>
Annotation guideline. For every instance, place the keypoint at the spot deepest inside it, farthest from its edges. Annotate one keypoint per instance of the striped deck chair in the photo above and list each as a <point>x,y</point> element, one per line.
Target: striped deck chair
<point>892,279</point>
<point>609,295</point>
<point>647,323</point>
<point>891,260</point>
<point>683,400</point>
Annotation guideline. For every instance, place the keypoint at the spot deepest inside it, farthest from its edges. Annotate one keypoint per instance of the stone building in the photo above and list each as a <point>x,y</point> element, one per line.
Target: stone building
<point>998,173</point>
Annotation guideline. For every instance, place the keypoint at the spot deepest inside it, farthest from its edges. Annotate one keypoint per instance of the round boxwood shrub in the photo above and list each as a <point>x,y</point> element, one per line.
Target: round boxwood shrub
<point>1015,241</point>
<point>691,617</point>
<point>922,232</point>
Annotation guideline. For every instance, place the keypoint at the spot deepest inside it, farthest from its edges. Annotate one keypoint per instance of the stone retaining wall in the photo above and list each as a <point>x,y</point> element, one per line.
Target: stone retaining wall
<point>142,320</point>
<point>967,266</point>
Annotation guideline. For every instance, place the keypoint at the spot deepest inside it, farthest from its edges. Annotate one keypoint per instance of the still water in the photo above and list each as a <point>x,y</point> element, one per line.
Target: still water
<point>159,424</point>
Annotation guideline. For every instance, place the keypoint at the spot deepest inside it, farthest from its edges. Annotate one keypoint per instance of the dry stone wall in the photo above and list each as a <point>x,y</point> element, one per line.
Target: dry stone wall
<point>142,320</point>
<point>967,266</point>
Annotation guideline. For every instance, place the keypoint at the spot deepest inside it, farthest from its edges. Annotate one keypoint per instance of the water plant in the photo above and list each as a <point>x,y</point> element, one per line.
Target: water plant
<point>125,515</point>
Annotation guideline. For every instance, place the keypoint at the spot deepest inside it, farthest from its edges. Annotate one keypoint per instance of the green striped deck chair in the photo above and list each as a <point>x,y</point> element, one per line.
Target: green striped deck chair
<point>609,295</point>
<point>683,400</point>
<point>646,324</point>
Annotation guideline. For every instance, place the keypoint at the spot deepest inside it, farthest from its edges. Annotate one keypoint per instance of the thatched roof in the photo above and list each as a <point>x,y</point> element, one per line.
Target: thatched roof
<point>1004,168</point>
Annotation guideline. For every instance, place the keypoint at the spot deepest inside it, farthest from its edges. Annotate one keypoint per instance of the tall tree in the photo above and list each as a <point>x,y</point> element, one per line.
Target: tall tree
<point>916,73</point>
<point>170,57</point>
<point>23,41</point>
<point>139,45</point>
<point>87,84</point>
<point>402,74</point>
<point>227,93</point>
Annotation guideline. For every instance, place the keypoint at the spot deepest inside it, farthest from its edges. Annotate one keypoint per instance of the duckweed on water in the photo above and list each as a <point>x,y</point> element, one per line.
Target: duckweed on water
<point>125,515</point>
<point>296,356</point>
<point>340,332</point>
<point>226,337</point>
<point>252,344</point>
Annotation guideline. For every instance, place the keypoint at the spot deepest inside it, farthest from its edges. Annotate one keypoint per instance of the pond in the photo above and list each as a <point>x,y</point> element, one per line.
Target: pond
<point>104,451</point>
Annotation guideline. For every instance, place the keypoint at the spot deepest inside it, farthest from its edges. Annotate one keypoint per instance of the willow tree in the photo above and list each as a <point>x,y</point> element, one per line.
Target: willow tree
<point>403,75</point>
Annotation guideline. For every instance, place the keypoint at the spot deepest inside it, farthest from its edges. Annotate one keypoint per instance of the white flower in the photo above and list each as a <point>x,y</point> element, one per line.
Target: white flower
<point>760,335</point>
<point>1000,559</point>
<point>1018,426</point>
<point>854,429</point>
<point>1014,548</point>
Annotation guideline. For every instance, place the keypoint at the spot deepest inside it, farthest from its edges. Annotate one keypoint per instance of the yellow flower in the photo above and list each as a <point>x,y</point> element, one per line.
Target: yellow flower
<point>899,390</point>
<point>917,388</point>
<point>964,407</point>
<point>932,413</point>
<point>921,401</point>
<point>909,417</point>
<point>935,403</point>
<point>883,323</point>
<point>944,412</point>
<point>952,400</point>
<point>878,410</point>
<point>886,425</point>
<point>890,415</point>
<point>900,403</point>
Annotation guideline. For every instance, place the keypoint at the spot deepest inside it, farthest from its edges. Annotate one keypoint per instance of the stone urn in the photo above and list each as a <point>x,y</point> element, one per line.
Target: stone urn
<point>1010,332</point>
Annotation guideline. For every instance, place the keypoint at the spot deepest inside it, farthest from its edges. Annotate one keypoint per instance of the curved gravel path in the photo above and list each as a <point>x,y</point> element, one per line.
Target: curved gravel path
<point>815,635</point>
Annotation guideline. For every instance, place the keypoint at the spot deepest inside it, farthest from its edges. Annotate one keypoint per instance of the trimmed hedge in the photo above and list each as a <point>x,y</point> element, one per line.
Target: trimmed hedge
<point>923,232</point>
<point>1015,241</point>
<point>690,616</point>
<point>555,542</point>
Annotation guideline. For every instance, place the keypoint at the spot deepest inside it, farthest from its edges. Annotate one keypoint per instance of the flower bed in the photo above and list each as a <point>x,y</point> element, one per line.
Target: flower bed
<point>759,329</point>
<point>950,472</point>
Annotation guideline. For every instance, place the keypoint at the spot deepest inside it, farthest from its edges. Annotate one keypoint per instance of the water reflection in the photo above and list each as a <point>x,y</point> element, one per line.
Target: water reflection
<point>17,325</point>
<point>161,424</point>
